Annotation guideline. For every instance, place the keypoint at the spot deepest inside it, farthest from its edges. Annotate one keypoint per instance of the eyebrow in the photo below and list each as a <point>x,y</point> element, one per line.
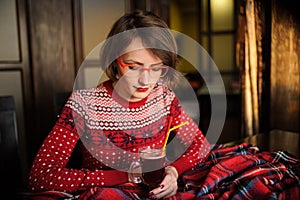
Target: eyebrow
<point>139,63</point>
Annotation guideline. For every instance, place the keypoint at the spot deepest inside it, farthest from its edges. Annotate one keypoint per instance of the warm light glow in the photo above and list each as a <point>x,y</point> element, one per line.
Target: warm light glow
<point>222,14</point>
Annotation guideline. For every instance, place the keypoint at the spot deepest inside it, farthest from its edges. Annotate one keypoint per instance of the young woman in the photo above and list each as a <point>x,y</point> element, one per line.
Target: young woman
<point>134,108</point>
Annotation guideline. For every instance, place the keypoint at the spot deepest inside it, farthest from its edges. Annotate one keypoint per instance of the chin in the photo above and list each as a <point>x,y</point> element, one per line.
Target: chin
<point>139,97</point>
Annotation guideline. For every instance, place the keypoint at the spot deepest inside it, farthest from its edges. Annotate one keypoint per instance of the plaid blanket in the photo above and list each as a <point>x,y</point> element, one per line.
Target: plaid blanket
<point>243,172</point>
<point>236,172</point>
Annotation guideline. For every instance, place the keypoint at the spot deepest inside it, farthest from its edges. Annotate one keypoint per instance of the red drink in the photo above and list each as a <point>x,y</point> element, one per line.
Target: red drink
<point>153,166</point>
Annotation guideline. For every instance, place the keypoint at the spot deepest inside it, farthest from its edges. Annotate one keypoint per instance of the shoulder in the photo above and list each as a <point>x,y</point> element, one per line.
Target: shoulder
<point>85,97</point>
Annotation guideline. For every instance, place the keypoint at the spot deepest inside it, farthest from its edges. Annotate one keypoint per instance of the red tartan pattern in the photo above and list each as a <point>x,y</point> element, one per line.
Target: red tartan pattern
<point>243,172</point>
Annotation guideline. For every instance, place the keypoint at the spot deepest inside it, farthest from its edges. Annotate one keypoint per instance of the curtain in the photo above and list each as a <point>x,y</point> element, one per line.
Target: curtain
<point>249,61</point>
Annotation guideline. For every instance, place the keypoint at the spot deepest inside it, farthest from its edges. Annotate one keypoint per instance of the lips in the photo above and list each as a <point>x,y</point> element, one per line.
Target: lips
<point>142,89</point>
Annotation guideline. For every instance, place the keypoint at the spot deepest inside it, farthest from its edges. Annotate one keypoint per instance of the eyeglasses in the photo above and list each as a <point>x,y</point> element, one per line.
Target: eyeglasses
<point>135,69</point>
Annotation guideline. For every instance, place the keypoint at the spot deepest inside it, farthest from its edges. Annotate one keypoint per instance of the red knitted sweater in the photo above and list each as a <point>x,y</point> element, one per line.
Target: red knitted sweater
<point>111,130</point>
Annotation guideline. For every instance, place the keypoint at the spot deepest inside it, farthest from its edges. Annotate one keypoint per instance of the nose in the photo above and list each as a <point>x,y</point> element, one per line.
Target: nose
<point>144,77</point>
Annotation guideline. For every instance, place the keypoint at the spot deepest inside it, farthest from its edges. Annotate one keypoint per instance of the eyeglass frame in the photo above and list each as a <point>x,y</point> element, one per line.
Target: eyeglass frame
<point>124,65</point>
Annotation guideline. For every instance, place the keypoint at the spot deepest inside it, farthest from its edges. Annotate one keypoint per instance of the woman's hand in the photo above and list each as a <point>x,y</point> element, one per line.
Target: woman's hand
<point>168,186</point>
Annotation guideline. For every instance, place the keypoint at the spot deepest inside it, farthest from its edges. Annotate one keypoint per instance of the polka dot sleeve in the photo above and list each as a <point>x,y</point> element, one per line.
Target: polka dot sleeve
<point>49,170</point>
<point>190,137</point>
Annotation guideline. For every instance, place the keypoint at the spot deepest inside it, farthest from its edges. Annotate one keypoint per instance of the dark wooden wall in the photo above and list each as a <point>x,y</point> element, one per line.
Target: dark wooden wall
<point>49,45</point>
<point>52,46</point>
<point>285,66</point>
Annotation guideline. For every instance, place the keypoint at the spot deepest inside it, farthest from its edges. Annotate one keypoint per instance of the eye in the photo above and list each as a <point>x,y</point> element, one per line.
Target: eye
<point>156,69</point>
<point>133,67</point>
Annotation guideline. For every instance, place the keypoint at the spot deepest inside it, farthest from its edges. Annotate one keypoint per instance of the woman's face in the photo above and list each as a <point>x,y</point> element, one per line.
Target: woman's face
<point>139,71</point>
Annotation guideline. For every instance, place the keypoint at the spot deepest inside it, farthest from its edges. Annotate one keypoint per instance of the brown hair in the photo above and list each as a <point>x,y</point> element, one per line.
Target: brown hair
<point>135,24</point>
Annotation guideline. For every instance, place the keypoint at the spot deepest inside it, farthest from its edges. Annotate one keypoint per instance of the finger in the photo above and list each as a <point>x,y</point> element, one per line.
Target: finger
<point>163,185</point>
<point>168,180</point>
<point>156,191</point>
<point>167,188</point>
<point>168,192</point>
